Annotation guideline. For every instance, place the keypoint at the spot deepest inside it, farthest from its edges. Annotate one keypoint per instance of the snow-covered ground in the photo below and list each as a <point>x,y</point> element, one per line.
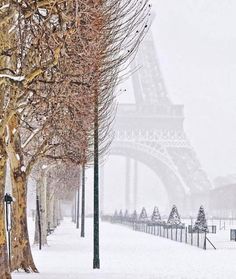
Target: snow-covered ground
<point>126,254</point>
<point>221,239</point>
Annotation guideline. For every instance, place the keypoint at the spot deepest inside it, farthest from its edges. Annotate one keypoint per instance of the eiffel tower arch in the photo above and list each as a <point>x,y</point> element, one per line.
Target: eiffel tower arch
<point>151,131</point>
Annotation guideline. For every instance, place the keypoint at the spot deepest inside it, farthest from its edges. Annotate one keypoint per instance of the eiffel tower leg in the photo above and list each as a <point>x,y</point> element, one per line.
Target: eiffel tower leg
<point>135,185</point>
<point>127,184</point>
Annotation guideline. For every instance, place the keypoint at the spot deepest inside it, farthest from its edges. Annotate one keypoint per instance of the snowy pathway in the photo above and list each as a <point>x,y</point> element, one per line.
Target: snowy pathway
<point>126,254</point>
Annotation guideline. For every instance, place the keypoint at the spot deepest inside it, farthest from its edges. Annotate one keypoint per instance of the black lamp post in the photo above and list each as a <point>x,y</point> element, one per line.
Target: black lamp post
<point>96,258</point>
<point>83,202</point>
<point>38,210</point>
<point>8,200</point>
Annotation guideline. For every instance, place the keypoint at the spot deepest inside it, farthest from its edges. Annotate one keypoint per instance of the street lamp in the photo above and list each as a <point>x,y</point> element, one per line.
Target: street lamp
<point>39,210</point>
<point>96,258</point>
<point>83,201</point>
<point>8,200</point>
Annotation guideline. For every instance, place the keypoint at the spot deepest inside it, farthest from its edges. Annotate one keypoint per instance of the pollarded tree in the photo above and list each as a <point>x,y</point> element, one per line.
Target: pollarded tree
<point>38,32</point>
<point>201,222</point>
<point>53,181</point>
<point>110,36</point>
<point>156,217</point>
<point>105,39</point>
<point>174,217</point>
<point>5,43</point>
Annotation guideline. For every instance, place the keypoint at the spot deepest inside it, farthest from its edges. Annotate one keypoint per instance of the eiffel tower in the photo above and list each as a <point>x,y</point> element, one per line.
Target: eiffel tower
<point>151,131</point>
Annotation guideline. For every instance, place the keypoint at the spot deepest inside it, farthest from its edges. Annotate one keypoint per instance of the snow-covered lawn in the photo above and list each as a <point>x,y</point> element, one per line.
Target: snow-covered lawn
<point>126,254</point>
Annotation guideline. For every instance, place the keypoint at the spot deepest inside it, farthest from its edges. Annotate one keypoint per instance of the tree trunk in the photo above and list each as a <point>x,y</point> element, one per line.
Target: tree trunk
<point>36,225</point>
<point>4,263</point>
<point>4,267</point>
<point>41,192</point>
<point>44,201</point>
<point>51,211</point>
<point>55,212</point>
<point>21,251</point>
<point>73,213</point>
<point>78,207</point>
<point>49,208</point>
<point>60,218</point>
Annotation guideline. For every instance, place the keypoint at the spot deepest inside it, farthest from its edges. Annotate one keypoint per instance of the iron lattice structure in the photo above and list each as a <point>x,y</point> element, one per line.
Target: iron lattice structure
<point>151,131</point>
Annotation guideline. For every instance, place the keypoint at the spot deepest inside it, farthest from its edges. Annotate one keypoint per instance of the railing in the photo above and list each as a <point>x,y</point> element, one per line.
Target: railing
<point>176,233</point>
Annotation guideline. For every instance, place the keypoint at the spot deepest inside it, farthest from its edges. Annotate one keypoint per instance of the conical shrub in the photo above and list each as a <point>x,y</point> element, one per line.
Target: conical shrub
<point>201,222</point>
<point>156,217</point>
<point>174,217</point>
<point>143,215</point>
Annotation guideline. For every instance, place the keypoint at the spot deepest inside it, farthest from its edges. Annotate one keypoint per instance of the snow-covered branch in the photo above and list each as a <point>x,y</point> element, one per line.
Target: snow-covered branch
<point>11,77</point>
<point>4,7</point>
<point>34,133</point>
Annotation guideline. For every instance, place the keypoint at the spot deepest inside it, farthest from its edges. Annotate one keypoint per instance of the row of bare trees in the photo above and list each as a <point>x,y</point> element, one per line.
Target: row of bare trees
<point>59,64</point>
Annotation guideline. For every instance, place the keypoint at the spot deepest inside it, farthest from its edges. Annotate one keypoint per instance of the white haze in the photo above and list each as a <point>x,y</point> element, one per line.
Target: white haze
<point>196,44</point>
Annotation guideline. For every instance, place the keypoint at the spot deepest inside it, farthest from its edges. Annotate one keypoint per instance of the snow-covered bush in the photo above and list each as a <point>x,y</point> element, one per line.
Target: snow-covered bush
<point>134,216</point>
<point>156,217</point>
<point>143,215</point>
<point>174,217</point>
<point>201,222</point>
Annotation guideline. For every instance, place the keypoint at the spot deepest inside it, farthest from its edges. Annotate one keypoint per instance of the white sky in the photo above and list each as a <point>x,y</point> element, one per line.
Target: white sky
<point>196,46</point>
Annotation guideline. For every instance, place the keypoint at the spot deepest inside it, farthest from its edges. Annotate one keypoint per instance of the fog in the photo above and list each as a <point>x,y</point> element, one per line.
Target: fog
<point>195,43</point>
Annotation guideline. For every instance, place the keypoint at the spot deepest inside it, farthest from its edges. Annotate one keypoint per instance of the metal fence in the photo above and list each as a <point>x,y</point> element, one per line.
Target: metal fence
<point>177,233</point>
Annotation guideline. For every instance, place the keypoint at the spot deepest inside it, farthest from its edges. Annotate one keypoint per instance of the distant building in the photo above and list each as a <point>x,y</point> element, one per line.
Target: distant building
<point>222,201</point>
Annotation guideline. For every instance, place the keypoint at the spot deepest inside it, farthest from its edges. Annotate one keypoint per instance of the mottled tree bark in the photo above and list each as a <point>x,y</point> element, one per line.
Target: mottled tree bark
<point>4,267</point>
<point>4,263</point>
<point>50,199</point>
<point>73,213</point>
<point>21,251</point>
<point>41,192</point>
<point>56,213</point>
<point>50,211</point>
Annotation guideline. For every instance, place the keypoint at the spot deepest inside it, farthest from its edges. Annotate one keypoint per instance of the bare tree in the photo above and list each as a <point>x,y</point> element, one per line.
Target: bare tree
<point>57,78</point>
